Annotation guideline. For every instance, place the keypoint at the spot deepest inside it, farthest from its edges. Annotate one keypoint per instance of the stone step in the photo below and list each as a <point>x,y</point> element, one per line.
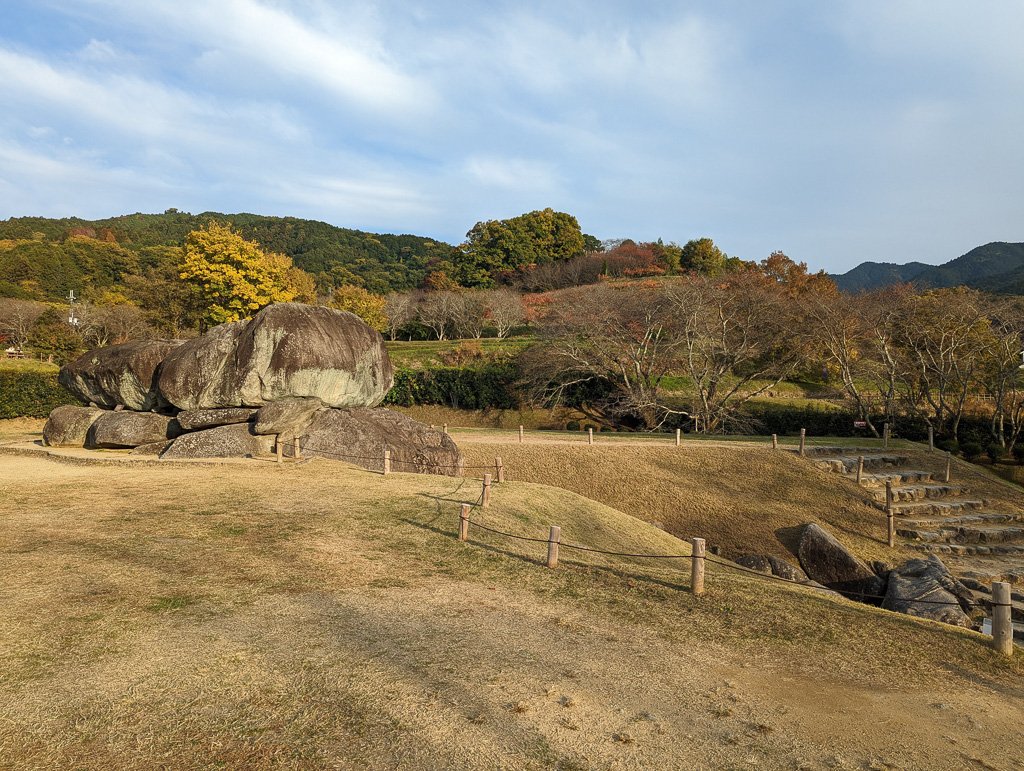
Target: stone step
<point>971,550</point>
<point>984,600</point>
<point>980,518</point>
<point>847,464</point>
<point>919,492</point>
<point>938,508</point>
<point>962,535</point>
<point>987,569</point>
<point>822,450</point>
<point>898,477</point>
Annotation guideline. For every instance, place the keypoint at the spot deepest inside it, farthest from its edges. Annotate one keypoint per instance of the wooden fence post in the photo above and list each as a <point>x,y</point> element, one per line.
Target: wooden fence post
<point>889,513</point>
<point>679,436</point>
<point>520,434</point>
<point>499,469</point>
<point>860,468</point>
<point>387,462</point>
<point>931,439</point>
<point>949,465</point>
<point>444,428</point>
<point>775,441</point>
<point>697,566</point>
<point>590,436</point>
<point>464,522</point>
<point>803,440</point>
<point>885,435</point>
<point>296,448</point>
<point>485,499</point>
<point>554,538</point>
<point>1002,622</point>
<point>279,448</point>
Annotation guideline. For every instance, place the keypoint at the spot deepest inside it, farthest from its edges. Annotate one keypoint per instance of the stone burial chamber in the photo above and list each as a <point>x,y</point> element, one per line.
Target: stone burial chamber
<point>293,371</point>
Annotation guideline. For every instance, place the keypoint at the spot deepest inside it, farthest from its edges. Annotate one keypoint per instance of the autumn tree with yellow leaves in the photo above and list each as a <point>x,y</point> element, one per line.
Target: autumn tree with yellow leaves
<point>234,278</point>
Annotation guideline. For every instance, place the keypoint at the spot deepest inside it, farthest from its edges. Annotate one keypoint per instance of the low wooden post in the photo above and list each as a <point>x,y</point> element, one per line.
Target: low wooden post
<point>775,441</point>
<point>803,440</point>
<point>890,521</point>
<point>444,428</point>
<point>1002,622</point>
<point>387,462</point>
<point>885,436</point>
<point>697,566</point>
<point>280,449</point>
<point>499,470</point>
<point>485,499</point>
<point>949,465</point>
<point>520,435</point>
<point>931,439</point>
<point>590,436</point>
<point>464,522</point>
<point>860,468</point>
<point>679,436</point>
<point>296,448</point>
<point>554,538</point>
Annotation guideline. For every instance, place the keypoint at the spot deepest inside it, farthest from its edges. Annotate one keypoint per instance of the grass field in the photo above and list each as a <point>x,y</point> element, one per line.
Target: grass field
<point>27,365</point>
<point>245,615</point>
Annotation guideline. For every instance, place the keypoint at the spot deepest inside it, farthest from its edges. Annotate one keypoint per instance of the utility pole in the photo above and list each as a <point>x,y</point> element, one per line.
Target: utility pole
<point>73,320</point>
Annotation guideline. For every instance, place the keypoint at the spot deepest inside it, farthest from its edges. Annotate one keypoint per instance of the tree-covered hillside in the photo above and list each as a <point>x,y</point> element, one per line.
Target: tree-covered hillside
<point>44,258</point>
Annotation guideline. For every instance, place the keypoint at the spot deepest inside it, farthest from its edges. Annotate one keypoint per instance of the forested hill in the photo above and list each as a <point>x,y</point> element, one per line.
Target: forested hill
<point>994,267</point>
<point>48,257</point>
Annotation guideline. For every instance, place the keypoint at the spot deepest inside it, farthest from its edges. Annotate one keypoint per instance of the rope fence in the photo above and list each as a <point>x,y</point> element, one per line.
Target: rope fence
<point>1002,627</point>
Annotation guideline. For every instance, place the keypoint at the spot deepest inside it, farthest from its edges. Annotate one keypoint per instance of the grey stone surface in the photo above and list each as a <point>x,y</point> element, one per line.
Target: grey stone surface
<point>119,375</point>
<point>828,562</point>
<point>68,426</point>
<point>196,420</point>
<point>288,417</point>
<point>926,588</point>
<point>285,350</point>
<point>758,562</point>
<point>360,436</point>
<point>232,441</point>
<point>783,569</point>
<point>128,429</point>
<point>152,448</point>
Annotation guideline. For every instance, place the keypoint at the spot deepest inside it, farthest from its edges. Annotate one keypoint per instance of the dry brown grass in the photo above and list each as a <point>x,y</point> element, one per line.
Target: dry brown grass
<point>251,616</point>
<point>491,418</point>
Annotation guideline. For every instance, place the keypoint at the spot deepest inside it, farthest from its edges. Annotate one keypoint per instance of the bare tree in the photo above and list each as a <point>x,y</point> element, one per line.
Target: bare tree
<point>103,325</point>
<point>17,317</point>
<point>731,334</point>
<point>614,344</point>
<point>1000,374</point>
<point>400,309</point>
<point>470,311</point>
<point>505,310</point>
<point>438,311</point>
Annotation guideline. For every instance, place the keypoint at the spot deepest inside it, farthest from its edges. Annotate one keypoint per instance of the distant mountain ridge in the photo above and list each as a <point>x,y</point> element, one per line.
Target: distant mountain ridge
<point>995,267</point>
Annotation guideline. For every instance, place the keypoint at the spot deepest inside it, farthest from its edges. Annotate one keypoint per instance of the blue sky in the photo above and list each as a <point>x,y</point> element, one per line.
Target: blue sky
<point>836,131</point>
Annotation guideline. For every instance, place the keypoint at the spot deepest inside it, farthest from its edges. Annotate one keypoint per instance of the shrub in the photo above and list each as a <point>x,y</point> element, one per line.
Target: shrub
<point>30,394</point>
<point>948,445</point>
<point>572,425</point>
<point>971,450</point>
<point>994,451</point>
<point>489,386</point>
<point>1018,453</point>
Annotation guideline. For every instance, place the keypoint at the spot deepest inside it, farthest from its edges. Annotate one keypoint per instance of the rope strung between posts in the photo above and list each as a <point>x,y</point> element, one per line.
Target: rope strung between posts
<point>713,560</point>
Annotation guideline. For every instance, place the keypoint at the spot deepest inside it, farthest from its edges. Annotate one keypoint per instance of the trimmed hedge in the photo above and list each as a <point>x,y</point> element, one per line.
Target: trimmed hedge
<point>480,388</point>
<point>27,394</point>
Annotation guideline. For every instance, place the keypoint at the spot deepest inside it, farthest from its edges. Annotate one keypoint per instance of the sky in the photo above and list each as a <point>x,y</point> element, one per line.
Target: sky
<point>837,132</point>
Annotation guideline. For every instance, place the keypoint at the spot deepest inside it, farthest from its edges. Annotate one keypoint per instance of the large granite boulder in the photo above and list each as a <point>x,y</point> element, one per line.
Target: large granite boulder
<point>196,420</point>
<point>360,436</point>
<point>119,375</point>
<point>926,588</point>
<point>129,429</point>
<point>68,426</point>
<point>827,561</point>
<point>287,418</point>
<point>233,441</point>
<point>285,350</point>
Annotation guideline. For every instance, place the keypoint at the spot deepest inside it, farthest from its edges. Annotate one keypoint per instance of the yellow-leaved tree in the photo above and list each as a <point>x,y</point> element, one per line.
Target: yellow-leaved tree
<point>365,304</point>
<point>234,278</point>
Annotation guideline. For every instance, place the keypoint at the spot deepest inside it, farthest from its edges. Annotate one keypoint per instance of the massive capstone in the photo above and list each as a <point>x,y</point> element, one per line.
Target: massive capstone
<point>828,562</point>
<point>118,375</point>
<point>285,350</point>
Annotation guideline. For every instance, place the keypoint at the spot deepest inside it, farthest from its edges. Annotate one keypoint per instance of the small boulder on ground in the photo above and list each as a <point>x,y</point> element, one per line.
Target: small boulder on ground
<point>68,425</point>
<point>118,375</point>
<point>757,562</point>
<point>285,350</point>
<point>828,562</point>
<point>196,420</point>
<point>288,418</point>
<point>360,436</point>
<point>129,429</point>
<point>233,441</point>
<point>925,588</point>
<point>772,566</point>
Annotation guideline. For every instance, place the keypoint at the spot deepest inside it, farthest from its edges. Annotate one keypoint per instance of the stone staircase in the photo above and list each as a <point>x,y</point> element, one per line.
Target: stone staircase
<point>978,543</point>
